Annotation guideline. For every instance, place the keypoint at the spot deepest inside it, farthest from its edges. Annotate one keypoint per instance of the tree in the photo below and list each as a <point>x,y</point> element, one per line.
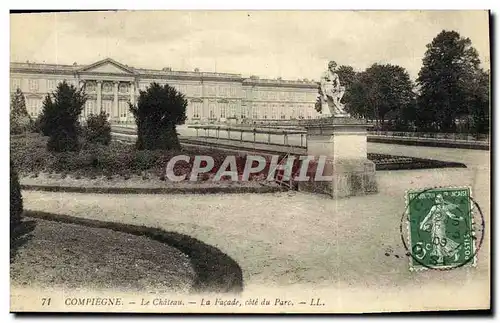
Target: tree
<point>98,129</point>
<point>479,101</point>
<point>159,109</point>
<point>61,120</point>
<point>347,76</point>
<point>381,89</point>
<point>48,114</point>
<point>20,120</point>
<point>449,66</point>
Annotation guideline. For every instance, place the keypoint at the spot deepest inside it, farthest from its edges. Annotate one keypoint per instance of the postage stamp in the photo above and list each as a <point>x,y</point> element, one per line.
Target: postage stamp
<point>440,228</point>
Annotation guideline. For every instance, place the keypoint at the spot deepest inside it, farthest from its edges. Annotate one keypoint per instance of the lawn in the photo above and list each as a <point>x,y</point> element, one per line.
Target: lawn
<point>53,254</point>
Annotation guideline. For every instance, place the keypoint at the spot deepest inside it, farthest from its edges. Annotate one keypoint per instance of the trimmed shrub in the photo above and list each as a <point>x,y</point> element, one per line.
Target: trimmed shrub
<point>16,200</point>
<point>44,122</point>
<point>158,111</point>
<point>62,121</point>
<point>97,129</point>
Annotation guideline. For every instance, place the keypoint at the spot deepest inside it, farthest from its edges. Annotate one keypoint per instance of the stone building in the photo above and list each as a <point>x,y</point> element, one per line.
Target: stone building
<point>212,97</point>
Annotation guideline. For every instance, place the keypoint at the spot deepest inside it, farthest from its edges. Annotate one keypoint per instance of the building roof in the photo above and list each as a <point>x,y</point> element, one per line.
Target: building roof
<point>75,69</point>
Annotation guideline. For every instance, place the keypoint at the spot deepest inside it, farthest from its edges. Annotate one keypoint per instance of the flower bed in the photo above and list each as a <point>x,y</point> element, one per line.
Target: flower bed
<point>123,161</point>
<point>95,161</point>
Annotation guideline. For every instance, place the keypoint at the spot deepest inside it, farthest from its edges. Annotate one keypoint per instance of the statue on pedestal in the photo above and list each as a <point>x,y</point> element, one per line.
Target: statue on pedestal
<point>332,93</point>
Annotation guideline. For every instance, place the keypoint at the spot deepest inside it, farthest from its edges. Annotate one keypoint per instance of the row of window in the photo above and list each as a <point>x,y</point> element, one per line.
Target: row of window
<point>228,110</point>
<point>34,107</point>
<point>215,111</point>
<point>193,90</point>
<point>107,106</point>
<point>106,87</point>
<point>227,91</point>
<point>36,85</point>
<point>281,95</point>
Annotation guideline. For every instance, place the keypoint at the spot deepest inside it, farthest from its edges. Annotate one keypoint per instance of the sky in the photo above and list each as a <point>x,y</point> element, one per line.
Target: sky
<point>270,44</point>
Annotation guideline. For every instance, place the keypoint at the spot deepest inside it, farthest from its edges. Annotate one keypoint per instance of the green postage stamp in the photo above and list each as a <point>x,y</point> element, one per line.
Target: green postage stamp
<point>440,228</point>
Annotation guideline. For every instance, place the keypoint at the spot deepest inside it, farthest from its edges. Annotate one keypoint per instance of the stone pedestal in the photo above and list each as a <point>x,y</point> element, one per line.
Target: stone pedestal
<point>342,141</point>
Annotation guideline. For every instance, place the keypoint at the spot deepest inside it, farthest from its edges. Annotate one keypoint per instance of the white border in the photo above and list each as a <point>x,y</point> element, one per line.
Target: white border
<point>189,4</point>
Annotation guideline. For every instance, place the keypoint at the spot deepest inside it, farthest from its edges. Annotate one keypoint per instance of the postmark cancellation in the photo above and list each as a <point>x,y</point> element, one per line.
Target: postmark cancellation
<point>442,232</point>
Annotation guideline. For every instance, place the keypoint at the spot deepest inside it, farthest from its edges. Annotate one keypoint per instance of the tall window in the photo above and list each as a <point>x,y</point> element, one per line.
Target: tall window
<point>293,112</point>
<point>232,109</point>
<point>90,108</point>
<point>234,91</point>
<point>244,111</point>
<point>223,110</point>
<point>211,111</point>
<point>33,85</point>
<point>255,112</point>
<point>197,109</point>
<point>183,89</point>
<point>34,106</point>
<point>196,90</point>
<point>51,85</point>
<point>106,107</point>
<point>15,84</point>
<point>301,112</point>
<point>264,111</point>
<point>274,112</point>
<point>249,94</point>
<point>122,108</point>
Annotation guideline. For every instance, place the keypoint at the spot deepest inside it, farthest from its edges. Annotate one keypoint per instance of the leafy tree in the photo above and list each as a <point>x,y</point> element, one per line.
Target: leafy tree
<point>347,76</point>
<point>381,89</point>
<point>20,120</point>
<point>449,66</point>
<point>98,129</point>
<point>42,123</point>
<point>159,109</point>
<point>61,119</point>
<point>479,101</point>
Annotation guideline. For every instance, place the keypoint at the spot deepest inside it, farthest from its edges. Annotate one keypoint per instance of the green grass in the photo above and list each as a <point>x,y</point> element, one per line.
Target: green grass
<point>56,254</point>
<point>214,270</point>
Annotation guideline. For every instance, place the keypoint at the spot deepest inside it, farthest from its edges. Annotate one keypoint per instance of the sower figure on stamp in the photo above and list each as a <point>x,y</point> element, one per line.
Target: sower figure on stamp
<point>332,93</point>
<point>435,222</point>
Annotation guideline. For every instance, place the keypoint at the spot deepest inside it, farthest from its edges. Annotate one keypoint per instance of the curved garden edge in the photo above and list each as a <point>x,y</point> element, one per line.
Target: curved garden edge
<point>215,271</point>
<point>156,190</point>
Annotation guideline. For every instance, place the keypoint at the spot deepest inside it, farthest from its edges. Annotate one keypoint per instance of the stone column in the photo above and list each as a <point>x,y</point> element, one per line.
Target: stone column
<point>81,83</point>
<point>342,143</point>
<point>114,114</point>
<point>99,95</point>
<point>204,106</point>
<point>132,101</point>
<point>132,92</point>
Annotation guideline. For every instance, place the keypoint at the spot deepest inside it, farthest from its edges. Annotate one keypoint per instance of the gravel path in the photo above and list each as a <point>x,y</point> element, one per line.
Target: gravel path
<point>297,242</point>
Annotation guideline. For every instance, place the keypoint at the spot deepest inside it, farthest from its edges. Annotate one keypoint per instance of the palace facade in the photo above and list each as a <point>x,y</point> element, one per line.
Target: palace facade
<point>212,97</point>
